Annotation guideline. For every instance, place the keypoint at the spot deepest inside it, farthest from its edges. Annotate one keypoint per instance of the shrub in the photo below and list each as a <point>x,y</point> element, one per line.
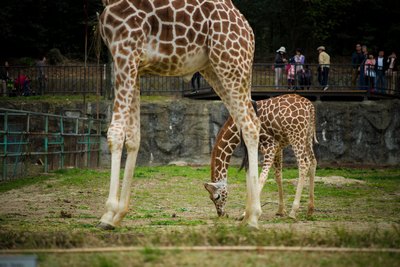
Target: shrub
<point>55,57</point>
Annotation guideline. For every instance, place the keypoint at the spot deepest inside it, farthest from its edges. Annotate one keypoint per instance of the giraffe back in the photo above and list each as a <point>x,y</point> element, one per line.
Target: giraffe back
<point>176,37</point>
<point>287,120</point>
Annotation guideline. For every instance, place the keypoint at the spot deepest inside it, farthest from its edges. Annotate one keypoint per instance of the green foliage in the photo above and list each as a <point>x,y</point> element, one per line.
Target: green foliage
<point>32,28</point>
<point>55,57</point>
<point>337,24</point>
<point>327,16</point>
<point>19,183</point>
<point>26,61</point>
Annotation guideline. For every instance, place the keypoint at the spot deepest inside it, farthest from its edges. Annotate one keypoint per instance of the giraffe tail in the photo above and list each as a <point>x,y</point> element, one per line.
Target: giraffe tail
<point>245,161</point>
<point>315,137</point>
<point>314,128</point>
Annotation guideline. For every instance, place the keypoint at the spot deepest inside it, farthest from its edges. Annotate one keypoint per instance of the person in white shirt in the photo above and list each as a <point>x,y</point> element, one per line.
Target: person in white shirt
<point>380,68</point>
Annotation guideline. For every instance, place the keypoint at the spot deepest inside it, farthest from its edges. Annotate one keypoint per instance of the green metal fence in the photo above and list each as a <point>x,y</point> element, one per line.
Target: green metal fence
<point>32,142</point>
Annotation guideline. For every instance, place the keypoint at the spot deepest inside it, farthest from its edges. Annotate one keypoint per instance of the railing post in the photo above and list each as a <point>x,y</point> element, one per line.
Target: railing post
<point>46,144</point>
<point>76,143</point>
<point>5,137</point>
<point>98,142</point>
<point>62,142</point>
<point>88,143</point>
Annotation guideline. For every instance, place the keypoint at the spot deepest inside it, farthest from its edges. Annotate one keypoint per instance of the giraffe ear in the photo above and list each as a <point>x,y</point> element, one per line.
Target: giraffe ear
<point>211,187</point>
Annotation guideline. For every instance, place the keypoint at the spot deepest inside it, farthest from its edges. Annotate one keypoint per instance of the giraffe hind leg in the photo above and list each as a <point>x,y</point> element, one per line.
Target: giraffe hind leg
<point>313,167</point>
<point>123,129</point>
<point>278,178</point>
<point>242,111</point>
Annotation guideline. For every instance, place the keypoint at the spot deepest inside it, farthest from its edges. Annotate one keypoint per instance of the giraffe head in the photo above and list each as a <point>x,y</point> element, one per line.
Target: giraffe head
<point>218,194</point>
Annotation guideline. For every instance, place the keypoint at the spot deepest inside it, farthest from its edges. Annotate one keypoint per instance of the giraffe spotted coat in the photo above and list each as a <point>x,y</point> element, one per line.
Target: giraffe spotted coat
<point>176,38</point>
<point>285,120</point>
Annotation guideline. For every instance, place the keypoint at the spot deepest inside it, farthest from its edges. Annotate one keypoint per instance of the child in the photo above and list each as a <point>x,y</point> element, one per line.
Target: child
<point>370,72</point>
<point>290,69</point>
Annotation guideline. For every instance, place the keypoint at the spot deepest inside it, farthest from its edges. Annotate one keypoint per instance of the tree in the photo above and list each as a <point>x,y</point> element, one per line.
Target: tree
<point>33,27</point>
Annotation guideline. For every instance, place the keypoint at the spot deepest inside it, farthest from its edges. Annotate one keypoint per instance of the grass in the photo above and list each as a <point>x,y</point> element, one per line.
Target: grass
<point>169,207</point>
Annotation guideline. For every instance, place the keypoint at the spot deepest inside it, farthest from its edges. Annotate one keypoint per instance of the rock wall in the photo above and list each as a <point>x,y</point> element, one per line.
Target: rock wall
<point>349,133</point>
<point>360,133</point>
<point>183,130</point>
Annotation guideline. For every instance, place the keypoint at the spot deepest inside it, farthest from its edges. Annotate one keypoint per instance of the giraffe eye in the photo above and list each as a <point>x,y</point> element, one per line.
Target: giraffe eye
<point>217,196</point>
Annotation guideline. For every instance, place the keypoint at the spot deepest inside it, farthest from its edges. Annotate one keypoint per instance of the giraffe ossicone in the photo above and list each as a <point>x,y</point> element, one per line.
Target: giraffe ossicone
<point>176,38</point>
<point>285,120</point>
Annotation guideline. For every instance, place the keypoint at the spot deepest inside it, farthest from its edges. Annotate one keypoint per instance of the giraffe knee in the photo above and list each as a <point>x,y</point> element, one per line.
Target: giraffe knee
<point>114,141</point>
<point>132,143</point>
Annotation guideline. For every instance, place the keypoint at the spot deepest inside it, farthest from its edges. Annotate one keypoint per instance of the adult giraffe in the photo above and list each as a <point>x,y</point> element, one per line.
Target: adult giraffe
<point>285,120</point>
<point>176,38</point>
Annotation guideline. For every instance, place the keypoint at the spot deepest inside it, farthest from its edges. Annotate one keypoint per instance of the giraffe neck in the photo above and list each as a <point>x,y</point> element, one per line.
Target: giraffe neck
<point>227,140</point>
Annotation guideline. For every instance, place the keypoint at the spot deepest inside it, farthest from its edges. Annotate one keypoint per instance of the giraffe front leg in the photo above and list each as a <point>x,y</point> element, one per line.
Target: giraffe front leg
<point>122,129</point>
<point>115,143</point>
<point>123,204</point>
<point>132,143</point>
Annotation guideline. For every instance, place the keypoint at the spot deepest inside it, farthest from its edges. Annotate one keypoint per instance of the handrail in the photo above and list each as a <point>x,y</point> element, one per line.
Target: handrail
<point>53,141</point>
<point>78,79</point>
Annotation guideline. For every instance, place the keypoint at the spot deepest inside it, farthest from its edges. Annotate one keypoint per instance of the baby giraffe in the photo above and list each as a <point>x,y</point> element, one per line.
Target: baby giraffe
<point>285,120</point>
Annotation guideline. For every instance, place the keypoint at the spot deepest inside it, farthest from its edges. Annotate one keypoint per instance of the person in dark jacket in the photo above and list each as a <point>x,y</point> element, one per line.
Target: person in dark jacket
<point>356,59</point>
<point>363,82</point>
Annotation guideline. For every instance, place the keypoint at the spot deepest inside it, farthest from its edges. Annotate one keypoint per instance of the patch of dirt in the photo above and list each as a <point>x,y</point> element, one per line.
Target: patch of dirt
<point>331,180</point>
<point>338,180</point>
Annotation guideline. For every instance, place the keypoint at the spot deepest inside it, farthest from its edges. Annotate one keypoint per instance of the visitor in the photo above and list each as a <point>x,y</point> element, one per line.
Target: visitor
<point>391,73</point>
<point>290,72</point>
<point>280,62</point>
<point>369,71</point>
<point>41,75</point>
<point>323,67</point>
<point>196,80</point>
<point>362,82</point>
<point>5,78</point>
<point>356,59</point>
<point>299,60</point>
<point>380,69</point>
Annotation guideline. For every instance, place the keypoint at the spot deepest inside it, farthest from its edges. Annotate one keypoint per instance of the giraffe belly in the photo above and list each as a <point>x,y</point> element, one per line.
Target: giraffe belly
<point>154,62</point>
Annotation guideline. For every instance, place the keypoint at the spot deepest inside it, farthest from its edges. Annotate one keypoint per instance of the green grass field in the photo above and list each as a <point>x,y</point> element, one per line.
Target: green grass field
<point>170,208</point>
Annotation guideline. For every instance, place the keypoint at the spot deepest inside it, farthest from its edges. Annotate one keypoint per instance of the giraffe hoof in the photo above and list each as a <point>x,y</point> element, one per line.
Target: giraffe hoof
<point>281,213</point>
<point>105,226</point>
<point>241,217</point>
<point>310,212</point>
<point>292,216</point>
<point>250,225</point>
